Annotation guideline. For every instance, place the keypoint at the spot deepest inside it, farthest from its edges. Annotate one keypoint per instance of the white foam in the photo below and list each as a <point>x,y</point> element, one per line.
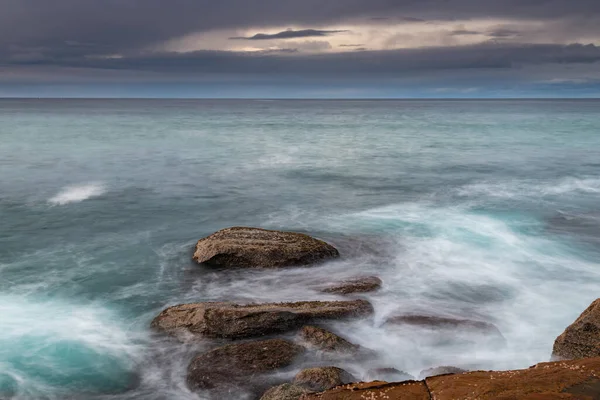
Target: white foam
<point>526,188</point>
<point>77,193</point>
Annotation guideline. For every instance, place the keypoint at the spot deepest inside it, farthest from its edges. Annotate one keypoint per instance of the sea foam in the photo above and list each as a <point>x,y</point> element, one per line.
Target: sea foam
<point>77,193</point>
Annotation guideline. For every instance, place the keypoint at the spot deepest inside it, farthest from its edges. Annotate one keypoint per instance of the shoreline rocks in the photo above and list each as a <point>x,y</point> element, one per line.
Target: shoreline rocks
<point>243,247</point>
<point>287,391</point>
<point>445,370</point>
<point>355,285</point>
<point>234,321</point>
<point>427,321</point>
<point>322,378</point>
<point>388,375</point>
<point>229,365</point>
<point>581,338</point>
<point>324,340</point>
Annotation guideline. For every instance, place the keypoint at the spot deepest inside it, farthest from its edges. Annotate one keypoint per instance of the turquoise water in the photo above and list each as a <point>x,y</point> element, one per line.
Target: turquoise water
<point>471,209</point>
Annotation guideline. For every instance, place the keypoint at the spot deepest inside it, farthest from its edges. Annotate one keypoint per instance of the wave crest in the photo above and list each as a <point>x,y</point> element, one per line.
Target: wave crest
<point>77,193</point>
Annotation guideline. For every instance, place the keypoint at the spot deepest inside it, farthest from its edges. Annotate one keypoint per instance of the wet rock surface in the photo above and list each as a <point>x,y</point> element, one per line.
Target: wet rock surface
<point>324,340</point>
<point>322,378</point>
<point>239,364</point>
<point>355,285</point>
<point>228,320</point>
<point>287,391</point>
<point>426,373</point>
<point>388,375</point>
<point>434,322</point>
<point>243,247</point>
<point>411,390</point>
<point>582,337</point>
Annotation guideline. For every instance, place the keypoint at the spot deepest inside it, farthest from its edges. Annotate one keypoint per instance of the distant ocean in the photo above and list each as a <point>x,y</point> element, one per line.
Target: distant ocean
<point>485,210</point>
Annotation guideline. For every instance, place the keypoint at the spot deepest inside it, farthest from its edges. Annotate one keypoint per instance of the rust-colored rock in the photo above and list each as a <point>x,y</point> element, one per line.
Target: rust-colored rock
<point>426,373</point>
<point>287,391</point>
<point>244,247</point>
<point>575,380</point>
<point>582,338</point>
<point>232,364</point>
<point>410,390</point>
<point>324,340</point>
<point>234,321</point>
<point>442,322</point>
<point>322,378</point>
<point>356,285</point>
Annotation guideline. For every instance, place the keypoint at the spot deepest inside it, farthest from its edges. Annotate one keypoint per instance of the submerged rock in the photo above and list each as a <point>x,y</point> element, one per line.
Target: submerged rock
<point>355,285</point>
<point>388,375</point>
<point>441,322</point>
<point>260,248</point>
<point>322,378</point>
<point>236,364</point>
<point>287,391</point>
<point>426,373</point>
<point>573,380</point>
<point>234,321</point>
<point>581,338</point>
<point>324,340</point>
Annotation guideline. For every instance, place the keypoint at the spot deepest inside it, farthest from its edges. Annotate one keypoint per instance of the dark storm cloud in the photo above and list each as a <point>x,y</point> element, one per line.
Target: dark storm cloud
<point>461,32</point>
<point>291,34</point>
<point>503,33</point>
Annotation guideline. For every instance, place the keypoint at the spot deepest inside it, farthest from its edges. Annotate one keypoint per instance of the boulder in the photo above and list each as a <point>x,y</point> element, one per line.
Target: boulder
<point>287,391</point>
<point>260,248</point>
<point>234,321</point>
<point>388,375</point>
<point>582,338</point>
<point>322,378</point>
<point>409,390</point>
<point>356,285</point>
<point>426,373</point>
<point>573,380</point>
<point>444,323</point>
<point>235,364</point>
<point>324,340</point>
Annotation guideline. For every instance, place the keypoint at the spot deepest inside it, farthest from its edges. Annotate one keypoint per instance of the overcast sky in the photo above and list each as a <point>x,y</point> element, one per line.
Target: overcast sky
<point>300,48</point>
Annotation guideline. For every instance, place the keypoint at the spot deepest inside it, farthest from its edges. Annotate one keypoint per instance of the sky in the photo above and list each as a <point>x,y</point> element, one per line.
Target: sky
<point>300,48</point>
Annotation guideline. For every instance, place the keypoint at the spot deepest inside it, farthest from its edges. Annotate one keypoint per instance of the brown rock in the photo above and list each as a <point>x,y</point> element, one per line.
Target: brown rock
<point>260,248</point>
<point>234,363</point>
<point>228,320</point>
<point>388,375</point>
<point>356,285</point>
<point>426,373</point>
<point>441,322</point>
<point>582,338</point>
<point>287,391</point>
<point>409,390</point>
<point>575,380</point>
<point>327,341</point>
<point>322,378</point>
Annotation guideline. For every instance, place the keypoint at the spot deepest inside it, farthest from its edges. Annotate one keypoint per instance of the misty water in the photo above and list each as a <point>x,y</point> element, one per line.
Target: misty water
<point>486,210</point>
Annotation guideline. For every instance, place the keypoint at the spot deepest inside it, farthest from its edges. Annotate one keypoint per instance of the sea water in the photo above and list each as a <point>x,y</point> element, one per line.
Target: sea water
<point>486,210</point>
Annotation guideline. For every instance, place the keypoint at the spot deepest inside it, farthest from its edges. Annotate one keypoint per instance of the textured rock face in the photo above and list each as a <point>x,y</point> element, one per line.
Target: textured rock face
<point>441,322</point>
<point>573,380</point>
<point>287,391</point>
<point>426,373</point>
<point>356,285</point>
<point>582,337</point>
<point>231,364</point>
<point>228,320</point>
<point>388,375</point>
<point>324,340</point>
<point>260,248</point>
<point>322,378</point>
<point>374,391</point>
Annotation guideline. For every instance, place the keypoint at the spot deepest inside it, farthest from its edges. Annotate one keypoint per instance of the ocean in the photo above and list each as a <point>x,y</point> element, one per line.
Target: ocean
<point>476,209</point>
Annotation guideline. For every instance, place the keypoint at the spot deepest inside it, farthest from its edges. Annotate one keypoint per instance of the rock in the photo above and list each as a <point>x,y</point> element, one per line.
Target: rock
<point>356,285</point>
<point>234,321</point>
<point>260,248</point>
<point>324,340</point>
<point>287,391</point>
<point>322,378</point>
<point>441,322</point>
<point>426,373</point>
<point>234,364</point>
<point>388,375</point>
<point>573,380</point>
<point>582,338</point>
<point>409,390</point>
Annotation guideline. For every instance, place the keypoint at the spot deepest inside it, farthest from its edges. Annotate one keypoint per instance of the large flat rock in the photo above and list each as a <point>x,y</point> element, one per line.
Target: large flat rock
<point>410,390</point>
<point>582,337</point>
<point>234,321</point>
<point>244,247</point>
